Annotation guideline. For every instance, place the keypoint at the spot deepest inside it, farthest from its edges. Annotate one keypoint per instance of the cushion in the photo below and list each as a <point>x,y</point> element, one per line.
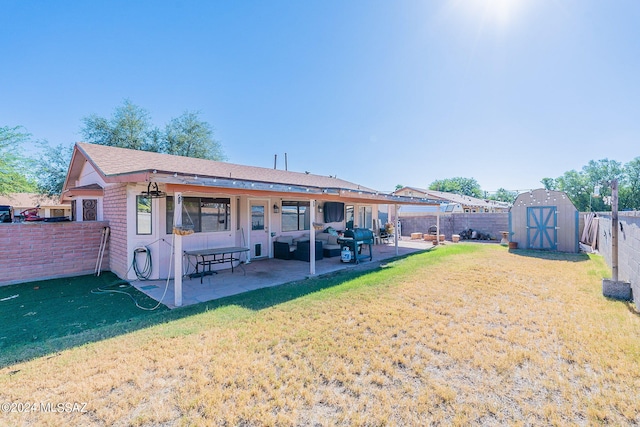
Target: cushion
<point>324,237</point>
<point>285,239</point>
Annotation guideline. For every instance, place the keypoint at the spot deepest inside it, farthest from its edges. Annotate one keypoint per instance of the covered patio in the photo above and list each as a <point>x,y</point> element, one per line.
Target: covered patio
<point>265,273</point>
<point>162,207</point>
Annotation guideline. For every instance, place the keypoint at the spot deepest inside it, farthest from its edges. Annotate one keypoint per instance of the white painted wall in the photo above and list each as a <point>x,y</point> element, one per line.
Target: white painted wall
<point>160,243</point>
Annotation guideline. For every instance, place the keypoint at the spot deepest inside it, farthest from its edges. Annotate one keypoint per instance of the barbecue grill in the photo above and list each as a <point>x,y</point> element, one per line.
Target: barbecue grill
<point>355,239</point>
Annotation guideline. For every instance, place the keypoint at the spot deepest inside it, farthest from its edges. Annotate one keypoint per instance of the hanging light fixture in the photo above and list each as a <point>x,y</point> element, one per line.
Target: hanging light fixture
<point>153,192</point>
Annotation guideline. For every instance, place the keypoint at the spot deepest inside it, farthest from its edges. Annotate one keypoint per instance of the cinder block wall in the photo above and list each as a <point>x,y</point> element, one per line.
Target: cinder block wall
<point>46,250</point>
<point>628,248</point>
<point>115,211</point>
<point>454,223</point>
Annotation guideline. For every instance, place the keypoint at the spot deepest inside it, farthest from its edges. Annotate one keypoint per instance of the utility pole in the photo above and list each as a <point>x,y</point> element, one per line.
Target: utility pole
<point>613,288</point>
<point>614,230</point>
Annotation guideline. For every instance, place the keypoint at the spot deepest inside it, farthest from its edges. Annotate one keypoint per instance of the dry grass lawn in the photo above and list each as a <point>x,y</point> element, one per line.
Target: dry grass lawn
<point>465,334</point>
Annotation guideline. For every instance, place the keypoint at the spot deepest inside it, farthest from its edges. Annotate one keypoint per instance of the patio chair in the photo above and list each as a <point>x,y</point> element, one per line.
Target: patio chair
<point>283,247</point>
<point>303,251</point>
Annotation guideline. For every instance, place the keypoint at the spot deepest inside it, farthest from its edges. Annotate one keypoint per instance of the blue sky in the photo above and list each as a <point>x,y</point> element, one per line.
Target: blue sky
<point>376,92</point>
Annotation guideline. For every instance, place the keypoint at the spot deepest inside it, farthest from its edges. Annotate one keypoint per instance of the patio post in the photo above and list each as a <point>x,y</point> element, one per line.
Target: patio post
<point>177,250</point>
<point>312,239</point>
<point>397,228</point>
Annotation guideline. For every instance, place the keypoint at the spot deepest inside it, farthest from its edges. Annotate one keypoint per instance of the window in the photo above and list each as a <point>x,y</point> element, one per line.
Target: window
<point>143,215</point>
<point>89,210</point>
<point>257,217</point>
<point>205,214</point>
<point>295,216</point>
<point>237,214</point>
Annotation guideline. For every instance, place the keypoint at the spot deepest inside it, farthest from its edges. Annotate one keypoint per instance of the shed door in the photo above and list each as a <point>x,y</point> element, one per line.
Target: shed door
<point>542,232</point>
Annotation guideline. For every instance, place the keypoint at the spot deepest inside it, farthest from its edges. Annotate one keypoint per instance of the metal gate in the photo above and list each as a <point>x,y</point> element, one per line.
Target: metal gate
<point>542,230</point>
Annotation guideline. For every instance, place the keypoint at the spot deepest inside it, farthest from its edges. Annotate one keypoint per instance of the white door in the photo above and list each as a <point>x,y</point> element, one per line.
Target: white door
<point>259,230</point>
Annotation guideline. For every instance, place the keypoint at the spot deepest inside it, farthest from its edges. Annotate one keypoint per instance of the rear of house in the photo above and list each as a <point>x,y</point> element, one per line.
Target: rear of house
<point>224,204</point>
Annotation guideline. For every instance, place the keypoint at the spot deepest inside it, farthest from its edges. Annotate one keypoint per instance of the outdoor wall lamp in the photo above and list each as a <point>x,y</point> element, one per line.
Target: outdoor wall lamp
<point>276,209</point>
<point>319,208</point>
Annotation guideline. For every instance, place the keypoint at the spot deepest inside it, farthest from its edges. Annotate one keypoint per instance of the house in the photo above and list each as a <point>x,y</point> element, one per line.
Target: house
<point>466,204</point>
<point>49,207</point>
<point>223,204</point>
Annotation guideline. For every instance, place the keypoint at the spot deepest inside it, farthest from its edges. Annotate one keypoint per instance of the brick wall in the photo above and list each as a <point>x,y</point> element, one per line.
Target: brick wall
<point>45,250</point>
<point>628,248</point>
<point>454,223</point>
<point>115,211</point>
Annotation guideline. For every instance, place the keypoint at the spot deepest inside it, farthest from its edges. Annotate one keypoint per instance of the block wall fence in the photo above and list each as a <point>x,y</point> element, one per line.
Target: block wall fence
<point>47,250</point>
<point>628,248</point>
<point>453,223</point>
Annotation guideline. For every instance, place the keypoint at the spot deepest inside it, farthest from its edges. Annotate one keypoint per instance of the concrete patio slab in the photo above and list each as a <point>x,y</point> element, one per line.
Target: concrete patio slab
<point>264,273</point>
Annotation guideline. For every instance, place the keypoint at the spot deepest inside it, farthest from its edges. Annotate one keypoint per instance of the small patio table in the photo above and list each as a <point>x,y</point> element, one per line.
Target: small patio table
<point>208,257</point>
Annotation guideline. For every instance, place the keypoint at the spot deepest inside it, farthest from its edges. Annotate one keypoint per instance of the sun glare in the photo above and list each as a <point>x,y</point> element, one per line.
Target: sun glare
<point>500,12</point>
<point>497,14</point>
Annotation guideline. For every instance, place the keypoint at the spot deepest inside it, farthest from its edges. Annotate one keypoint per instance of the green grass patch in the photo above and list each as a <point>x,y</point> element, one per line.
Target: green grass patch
<point>37,312</point>
<point>53,315</point>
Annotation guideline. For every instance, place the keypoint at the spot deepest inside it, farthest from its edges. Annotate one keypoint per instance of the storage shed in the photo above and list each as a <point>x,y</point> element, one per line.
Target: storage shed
<point>546,220</point>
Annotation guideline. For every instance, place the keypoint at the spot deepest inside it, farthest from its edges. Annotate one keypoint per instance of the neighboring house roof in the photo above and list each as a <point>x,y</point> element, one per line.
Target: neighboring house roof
<point>84,190</point>
<point>457,198</point>
<point>445,207</point>
<point>125,165</point>
<point>28,200</point>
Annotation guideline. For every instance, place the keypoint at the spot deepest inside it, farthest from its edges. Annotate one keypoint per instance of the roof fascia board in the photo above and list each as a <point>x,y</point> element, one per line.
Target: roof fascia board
<point>72,166</point>
<point>238,187</point>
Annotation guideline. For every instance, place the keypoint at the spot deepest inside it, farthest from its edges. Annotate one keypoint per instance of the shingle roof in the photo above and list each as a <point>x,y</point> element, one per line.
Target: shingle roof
<point>113,161</point>
<point>28,199</point>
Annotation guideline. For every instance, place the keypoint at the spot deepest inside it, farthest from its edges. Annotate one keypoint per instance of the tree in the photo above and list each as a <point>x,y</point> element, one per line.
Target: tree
<point>603,171</point>
<point>576,185</point>
<point>549,183</point>
<point>52,166</point>
<point>503,195</point>
<point>131,127</point>
<point>458,185</point>
<point>189,136</point>
<point>630,185</point>
<point>13,173</point>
